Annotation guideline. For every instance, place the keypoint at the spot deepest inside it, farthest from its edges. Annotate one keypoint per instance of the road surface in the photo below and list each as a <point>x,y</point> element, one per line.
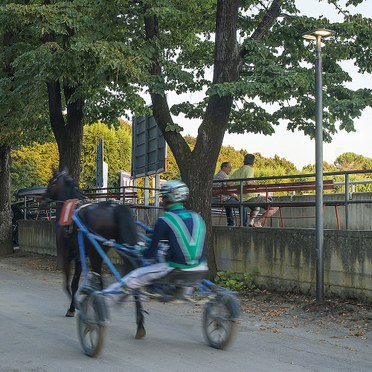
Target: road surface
<point>35,336</point>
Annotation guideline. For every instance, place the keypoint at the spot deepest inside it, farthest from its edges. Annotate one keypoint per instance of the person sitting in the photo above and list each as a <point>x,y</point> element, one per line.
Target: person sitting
<point>247,171</point>
<point>185,233</point>
<point>223,174</point>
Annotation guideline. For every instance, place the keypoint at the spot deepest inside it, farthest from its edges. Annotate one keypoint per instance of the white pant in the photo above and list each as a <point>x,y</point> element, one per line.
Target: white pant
<point>146,275</point>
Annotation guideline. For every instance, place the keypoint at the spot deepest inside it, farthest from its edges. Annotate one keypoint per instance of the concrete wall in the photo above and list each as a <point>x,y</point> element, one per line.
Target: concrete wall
<point>360,215</point>
<point>37,237</point>
<point>284,259</point>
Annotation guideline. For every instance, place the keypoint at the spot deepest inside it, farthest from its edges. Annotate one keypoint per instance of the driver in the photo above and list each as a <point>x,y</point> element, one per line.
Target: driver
<point>184,231</point>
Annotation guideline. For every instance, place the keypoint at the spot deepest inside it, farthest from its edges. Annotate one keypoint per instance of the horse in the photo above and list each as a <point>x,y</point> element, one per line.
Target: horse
<point>107,219</point>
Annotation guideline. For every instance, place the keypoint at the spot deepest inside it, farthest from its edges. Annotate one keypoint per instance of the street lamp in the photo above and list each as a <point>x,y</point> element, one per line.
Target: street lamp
<point>317,35</point>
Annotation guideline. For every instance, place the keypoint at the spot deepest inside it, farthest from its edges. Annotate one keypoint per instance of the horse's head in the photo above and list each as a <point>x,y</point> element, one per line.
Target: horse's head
<point>62,187</point>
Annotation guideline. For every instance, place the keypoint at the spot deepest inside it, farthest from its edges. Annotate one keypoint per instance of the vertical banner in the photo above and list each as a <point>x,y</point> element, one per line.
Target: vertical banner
<point>99,164</point>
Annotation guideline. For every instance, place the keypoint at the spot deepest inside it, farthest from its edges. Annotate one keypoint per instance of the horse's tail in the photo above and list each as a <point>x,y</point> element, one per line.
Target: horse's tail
<point>66,272</point>
<point>64,259</point>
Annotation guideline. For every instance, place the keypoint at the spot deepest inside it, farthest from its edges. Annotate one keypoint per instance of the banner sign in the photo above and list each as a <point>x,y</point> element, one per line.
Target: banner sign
<point>148,147</point>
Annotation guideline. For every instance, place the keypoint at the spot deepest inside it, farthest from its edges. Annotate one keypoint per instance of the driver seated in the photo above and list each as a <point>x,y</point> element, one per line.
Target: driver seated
<point>185,232</point>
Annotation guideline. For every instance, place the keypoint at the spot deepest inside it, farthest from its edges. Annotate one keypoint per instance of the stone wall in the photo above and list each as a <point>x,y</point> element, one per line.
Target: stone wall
<point>37,237</point>
<point>283,259</point>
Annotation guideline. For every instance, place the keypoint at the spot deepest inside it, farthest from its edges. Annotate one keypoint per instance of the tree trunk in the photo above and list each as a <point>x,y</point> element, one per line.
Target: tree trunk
<point>197,167</point>
<point>69,133</point>
<point>6,241</point>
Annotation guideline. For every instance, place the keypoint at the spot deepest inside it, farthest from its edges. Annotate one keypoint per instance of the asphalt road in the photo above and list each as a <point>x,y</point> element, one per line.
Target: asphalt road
<point>35,336</point>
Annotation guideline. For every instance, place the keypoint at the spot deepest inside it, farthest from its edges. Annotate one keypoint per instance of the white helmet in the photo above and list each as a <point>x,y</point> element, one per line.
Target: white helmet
<point>175,191</point>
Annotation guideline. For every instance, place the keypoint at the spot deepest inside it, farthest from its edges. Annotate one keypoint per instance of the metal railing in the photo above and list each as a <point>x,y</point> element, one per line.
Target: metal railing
<point>146,199</point>
<point>343,184</point>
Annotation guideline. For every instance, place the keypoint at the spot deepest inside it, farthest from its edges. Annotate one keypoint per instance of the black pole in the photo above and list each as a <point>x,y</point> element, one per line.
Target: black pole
<point>346,201</point>
<point>319,173</point>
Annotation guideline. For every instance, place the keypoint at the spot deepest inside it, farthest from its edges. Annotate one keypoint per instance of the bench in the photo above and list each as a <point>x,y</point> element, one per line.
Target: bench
<point>112,195</point>
<point>267,190</point>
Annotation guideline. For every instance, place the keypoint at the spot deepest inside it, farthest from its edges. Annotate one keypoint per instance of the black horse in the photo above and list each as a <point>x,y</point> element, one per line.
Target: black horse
<point>108,219</point>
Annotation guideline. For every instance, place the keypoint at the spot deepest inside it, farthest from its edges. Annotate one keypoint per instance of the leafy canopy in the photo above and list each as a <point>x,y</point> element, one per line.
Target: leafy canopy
<point>101,49</point>
<point>32,165</point>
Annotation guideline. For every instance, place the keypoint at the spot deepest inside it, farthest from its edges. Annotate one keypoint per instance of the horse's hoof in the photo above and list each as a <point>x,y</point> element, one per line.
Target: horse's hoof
<point>141,333</point>
<point>70,314</point>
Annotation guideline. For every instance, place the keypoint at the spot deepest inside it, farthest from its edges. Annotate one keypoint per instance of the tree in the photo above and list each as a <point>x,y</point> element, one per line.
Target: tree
<point>268,62</point>
<point>6,246</point>
<point>172,171</point>
<point>117,152</point>
<point>21,117</point>
<point>351,161</point>
<point>74,57</point>
<point>253,47</point>
<point>32,165</point>
<point>58,58</point>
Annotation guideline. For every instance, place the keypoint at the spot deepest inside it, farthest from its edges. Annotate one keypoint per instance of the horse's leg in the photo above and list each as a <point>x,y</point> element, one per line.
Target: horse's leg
<point>65,255</point>
<point>74,287</point>
<point>96,263</point>
<point>140,318</point>
<point>66,269</point>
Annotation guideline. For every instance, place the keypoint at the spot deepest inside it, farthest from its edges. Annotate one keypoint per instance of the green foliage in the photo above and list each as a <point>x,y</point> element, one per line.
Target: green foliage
<point>117,145</point>
<point>101,53</point>
<point>352,161</point>
<point>264,167</point>
<point>32,165</point>
<point>23,172</point>
<point>173,127</point>
<point>276,69</point>
<point>173,171</point>
<point>347,161</point>
<point>234,281</point>
<point>101,50</point>
<point>277,166</point>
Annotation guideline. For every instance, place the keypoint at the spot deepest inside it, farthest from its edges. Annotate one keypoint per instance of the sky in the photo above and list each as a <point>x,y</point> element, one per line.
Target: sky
<point>296,147</point>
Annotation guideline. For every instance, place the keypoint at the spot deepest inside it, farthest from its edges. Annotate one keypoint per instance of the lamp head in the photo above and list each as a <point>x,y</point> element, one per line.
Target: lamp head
<point>318,32</point>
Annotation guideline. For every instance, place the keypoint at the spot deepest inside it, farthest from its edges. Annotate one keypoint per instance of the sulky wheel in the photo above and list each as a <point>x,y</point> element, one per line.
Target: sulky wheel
<point>91,329</point>
<point>220,321</point>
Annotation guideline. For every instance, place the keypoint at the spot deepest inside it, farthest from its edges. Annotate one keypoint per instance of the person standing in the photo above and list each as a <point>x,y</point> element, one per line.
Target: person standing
<point>223,175</point>
<point>247,171</point>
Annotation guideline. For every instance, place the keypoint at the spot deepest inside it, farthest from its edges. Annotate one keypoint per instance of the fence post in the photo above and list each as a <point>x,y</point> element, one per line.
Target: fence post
<point>346,201</point>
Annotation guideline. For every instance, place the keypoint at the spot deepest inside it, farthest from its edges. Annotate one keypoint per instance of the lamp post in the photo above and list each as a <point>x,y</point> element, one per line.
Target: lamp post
<point>317,35</point>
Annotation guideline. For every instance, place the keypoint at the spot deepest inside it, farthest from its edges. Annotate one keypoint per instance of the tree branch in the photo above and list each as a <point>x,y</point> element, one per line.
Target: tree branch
<point>267,22</point>
<point>55,108</point>
<point>159,101</point>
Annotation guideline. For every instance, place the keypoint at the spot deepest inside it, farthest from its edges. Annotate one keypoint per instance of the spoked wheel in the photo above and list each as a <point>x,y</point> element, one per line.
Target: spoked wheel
<point>220,321</point>
<point>91,329</point>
